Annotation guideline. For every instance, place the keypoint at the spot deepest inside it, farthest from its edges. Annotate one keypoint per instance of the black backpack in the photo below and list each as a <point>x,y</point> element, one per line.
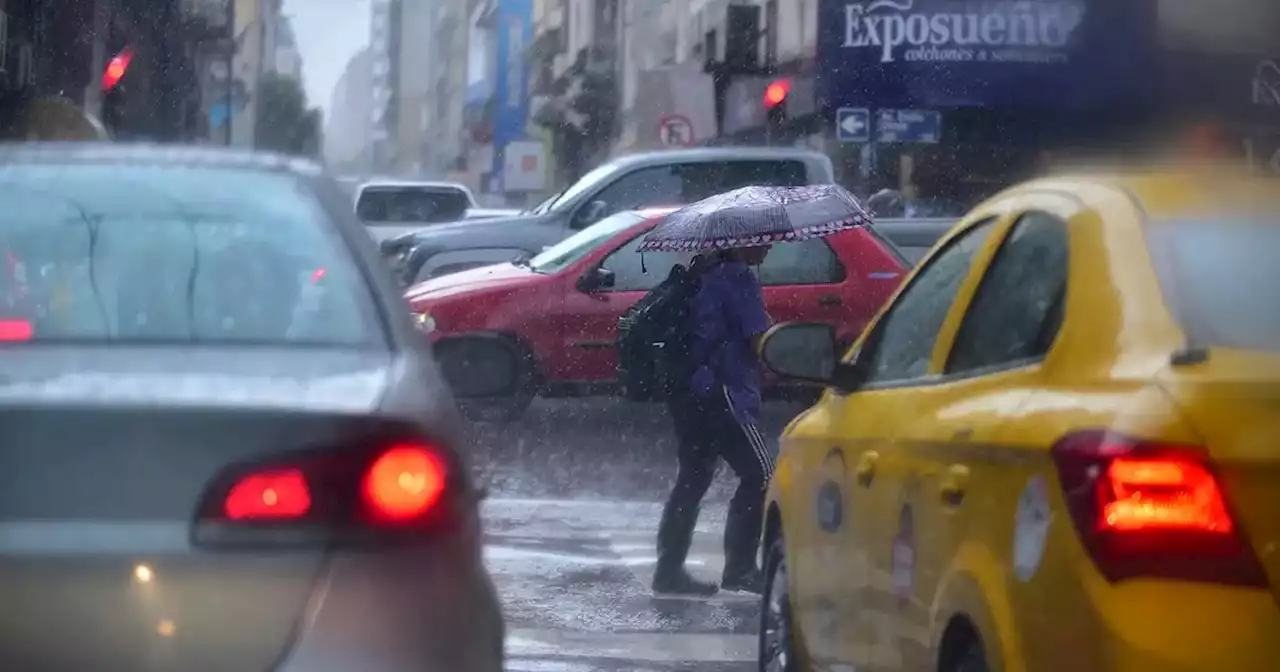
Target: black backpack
<point>653,339</point>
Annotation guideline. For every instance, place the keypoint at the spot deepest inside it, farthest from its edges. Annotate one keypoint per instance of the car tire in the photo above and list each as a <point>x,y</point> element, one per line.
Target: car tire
<point>509,409</point>
<point>776,649</point>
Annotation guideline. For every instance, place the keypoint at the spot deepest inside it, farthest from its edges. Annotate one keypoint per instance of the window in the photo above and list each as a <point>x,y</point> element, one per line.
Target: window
<point>395,205</point>
<point>641,188</point>
<point>1221,280</point>
<point>634,272</point>
<point>563,254</point>
<point>131,253</point>
<point>905,337</point>
<point>805,262</point>
<point>686,183</point>
<point>1017,309</point>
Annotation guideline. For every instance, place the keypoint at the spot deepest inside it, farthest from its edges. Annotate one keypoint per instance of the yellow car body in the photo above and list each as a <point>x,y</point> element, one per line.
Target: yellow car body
<point>1105,498</point>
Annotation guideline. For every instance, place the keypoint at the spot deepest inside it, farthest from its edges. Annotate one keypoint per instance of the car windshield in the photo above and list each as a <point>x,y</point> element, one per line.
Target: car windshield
<point>132,253</point>
<point>392,205</point>
<point>563,254</point>
<point>1221,281</point>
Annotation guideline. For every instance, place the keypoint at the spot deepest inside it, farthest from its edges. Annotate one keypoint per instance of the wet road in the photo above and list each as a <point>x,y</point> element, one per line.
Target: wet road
<point>576,488</point>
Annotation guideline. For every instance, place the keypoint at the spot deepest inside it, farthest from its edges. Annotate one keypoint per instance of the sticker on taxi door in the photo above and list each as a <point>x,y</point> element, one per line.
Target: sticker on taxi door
<point>1031,528</point>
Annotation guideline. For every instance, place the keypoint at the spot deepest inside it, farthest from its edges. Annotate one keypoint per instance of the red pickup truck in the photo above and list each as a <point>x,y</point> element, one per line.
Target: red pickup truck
<point>562,306</point>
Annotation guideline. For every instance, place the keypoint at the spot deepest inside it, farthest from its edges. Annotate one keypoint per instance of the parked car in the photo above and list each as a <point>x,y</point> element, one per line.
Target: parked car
<point>225,445</point>
<point>650,179</point>
<point>561,307</point>
<point>391,208</point>
<point>1055,449</point>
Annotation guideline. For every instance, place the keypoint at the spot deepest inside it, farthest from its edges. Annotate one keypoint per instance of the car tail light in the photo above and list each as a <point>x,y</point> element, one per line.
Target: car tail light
<point>271,495</point>
<point>16,330</point>
<point>403,483</point>
<point>1149,509</point>
<point>331,497</point>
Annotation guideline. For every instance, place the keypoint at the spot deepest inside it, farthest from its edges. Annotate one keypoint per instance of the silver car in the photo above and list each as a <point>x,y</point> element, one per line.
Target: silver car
<point>224,445</point>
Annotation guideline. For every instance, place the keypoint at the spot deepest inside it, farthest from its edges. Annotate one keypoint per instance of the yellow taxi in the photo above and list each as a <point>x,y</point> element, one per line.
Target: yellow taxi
<point>1056,449</point>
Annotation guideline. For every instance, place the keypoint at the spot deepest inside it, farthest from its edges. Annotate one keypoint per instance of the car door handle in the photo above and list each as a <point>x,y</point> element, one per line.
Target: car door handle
<point>865,471</point>
<point>955,483</point>
<point>830,300</point>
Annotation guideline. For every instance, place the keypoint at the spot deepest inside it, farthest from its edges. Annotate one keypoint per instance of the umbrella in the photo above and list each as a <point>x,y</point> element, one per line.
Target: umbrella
<point>753,216</point>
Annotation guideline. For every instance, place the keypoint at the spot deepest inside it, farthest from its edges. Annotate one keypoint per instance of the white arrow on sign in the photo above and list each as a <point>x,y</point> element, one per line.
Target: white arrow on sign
<point>852,124</point>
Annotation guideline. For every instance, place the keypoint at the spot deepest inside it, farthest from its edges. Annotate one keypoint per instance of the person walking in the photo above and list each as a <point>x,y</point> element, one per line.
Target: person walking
<point>716,414</point>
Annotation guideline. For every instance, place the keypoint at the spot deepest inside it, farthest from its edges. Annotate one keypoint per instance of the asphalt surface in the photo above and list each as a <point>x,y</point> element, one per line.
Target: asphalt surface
<point>576,488</point>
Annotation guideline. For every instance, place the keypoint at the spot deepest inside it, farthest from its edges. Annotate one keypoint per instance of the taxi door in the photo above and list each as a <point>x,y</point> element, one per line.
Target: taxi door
<point>898,354</point>
<point>835,440</point>
<point>949,472</point>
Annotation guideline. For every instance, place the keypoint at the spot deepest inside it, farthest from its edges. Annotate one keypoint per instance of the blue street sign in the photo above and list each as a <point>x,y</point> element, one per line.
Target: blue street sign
<point>218,114</point>
<point>908,126</point>
<point>853,124</point>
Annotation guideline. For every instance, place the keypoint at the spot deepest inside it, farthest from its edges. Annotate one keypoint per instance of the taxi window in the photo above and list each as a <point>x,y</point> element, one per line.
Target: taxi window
<point>1017,309</point>
<point>905,336</point>
<point>1221,280</point>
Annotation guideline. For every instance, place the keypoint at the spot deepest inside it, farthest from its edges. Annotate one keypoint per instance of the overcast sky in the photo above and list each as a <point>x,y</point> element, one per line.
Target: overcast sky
<point>329,32</point>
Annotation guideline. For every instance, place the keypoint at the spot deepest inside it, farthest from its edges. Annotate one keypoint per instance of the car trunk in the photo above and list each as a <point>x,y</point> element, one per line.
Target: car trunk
<point>1233,401</point>
<point>97,568</point>
<point>105,455</point>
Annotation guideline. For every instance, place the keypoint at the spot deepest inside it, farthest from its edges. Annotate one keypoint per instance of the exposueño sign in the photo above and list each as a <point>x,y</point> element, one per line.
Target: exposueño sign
<point>982,53</point>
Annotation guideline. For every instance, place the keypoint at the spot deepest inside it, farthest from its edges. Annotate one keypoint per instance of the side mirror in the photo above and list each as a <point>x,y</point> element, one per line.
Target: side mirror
<point>802,351</point>
<point>591,213</point>
<point>596,279</point>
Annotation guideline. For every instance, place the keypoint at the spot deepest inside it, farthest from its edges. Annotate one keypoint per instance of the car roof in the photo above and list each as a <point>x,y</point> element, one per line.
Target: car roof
<point>708,154</point>
<point>414,183</point>
<point>1168,194</point>
<point>154,154</point>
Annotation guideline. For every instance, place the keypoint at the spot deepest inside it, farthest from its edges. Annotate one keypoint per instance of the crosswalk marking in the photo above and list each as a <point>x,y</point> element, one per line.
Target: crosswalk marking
<point>639,646</point>
<point>540,551</point>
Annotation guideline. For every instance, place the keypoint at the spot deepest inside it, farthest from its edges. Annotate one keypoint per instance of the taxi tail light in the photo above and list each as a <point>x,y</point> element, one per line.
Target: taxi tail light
<point>1149,509</point>
<point>331,497</point>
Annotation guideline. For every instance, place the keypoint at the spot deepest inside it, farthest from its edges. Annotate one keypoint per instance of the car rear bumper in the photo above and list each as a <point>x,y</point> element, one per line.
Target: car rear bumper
<point>412,611</point>
<point>1139,626</point>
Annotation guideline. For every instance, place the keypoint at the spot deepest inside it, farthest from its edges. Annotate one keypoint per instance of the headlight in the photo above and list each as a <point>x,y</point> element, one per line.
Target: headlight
<point>425,323</point>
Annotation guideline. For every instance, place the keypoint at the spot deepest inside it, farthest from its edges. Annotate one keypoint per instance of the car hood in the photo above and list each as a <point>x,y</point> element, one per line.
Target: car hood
<point>463,282</point>
<point>303,379</point>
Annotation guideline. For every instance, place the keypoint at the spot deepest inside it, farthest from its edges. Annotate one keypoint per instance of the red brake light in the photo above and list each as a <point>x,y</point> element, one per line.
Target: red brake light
<point>1151,509</point>
<point>16,330</point>
<point>273,495</point>
<point>403,483</point>
<point>318,275</point>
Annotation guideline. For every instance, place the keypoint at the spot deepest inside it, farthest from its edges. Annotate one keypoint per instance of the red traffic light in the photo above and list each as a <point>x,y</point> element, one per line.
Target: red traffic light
<point>777,92</point>
<point>116,68</point>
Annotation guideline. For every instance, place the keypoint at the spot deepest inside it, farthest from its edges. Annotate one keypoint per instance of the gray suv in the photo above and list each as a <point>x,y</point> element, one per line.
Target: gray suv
<point>651,179</point>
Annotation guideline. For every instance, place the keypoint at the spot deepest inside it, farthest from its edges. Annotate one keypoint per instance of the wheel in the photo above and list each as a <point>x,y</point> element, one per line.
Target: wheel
<point>777,650</point>
<point>468,359</point>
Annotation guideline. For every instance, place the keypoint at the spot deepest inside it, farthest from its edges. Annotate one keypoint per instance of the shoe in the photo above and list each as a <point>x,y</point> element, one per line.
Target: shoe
<point>680,582</point>
<point>751,581</point>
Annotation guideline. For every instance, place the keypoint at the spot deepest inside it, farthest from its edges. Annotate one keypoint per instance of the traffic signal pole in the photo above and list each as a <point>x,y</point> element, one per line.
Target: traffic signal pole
<point>97,57</point>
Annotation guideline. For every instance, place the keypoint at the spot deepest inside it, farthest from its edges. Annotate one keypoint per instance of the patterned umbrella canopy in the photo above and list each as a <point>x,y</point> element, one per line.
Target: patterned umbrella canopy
<point>757,216</point>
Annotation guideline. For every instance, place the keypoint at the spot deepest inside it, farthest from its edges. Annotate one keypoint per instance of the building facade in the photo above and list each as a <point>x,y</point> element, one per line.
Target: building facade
<point>347,129</point>
<point>383,45</point>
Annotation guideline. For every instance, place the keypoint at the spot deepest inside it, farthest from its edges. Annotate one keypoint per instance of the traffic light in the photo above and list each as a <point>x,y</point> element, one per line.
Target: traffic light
<point>116,68</point>
<point>775,101</point>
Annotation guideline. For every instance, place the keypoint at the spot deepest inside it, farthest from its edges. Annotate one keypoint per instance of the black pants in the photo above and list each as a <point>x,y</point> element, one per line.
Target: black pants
<point>706,431</point>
